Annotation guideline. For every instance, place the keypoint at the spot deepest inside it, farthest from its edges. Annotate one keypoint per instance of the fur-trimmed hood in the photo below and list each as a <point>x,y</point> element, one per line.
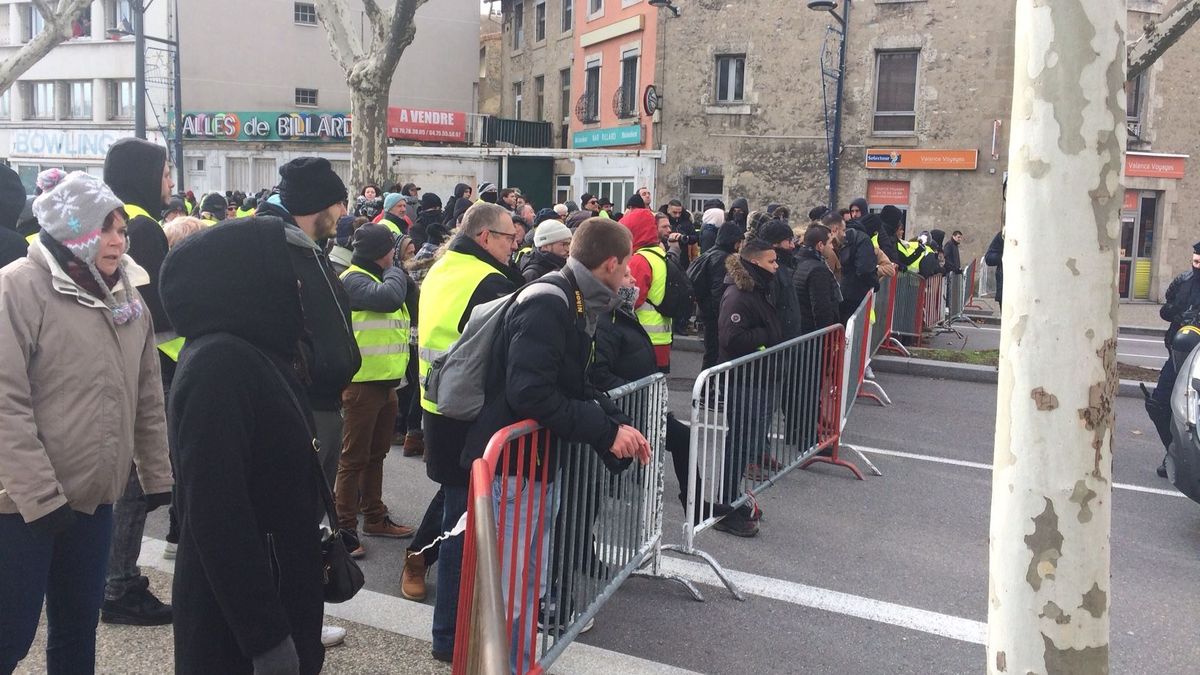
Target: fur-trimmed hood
<point>746,276</point>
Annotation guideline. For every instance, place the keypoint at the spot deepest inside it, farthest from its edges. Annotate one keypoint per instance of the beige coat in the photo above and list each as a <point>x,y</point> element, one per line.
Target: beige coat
<point>80,397</point>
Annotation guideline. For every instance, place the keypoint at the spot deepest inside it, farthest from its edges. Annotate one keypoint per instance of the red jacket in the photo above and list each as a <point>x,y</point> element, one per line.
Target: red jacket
<point>644,226</point>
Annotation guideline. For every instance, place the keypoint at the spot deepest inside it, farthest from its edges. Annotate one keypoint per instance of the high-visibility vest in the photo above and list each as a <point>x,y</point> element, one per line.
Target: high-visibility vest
<point>171,348</point>
<point>382,339</point>
<point>29,239</point>
<point>445,293</point>
<point>520,254</point>
<point>910,247</point>
<point>391,226</point>
<point>242,213</point>
<point>133,211</point>
<point>656,325</point>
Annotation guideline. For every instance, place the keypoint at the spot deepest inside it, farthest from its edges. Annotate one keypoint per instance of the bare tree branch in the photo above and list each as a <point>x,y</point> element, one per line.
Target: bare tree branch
<point>344,42</point>
<point>58,25</point>
<point>1160,35</point>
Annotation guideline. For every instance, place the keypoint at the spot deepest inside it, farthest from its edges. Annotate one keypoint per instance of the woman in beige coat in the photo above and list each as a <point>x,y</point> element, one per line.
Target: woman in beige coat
<point>80,398</point>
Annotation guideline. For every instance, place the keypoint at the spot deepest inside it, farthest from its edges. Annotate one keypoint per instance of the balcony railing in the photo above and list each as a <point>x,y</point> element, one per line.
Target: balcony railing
<point>498,131</point>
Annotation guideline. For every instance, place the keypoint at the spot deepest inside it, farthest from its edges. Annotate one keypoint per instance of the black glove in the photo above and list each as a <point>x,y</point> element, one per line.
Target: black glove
<point>156,500</point>
<point>54,522</point>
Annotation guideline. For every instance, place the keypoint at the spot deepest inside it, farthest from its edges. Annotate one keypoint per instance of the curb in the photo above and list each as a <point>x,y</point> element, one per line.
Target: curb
<point>965,372</point>
<point>688,343</point>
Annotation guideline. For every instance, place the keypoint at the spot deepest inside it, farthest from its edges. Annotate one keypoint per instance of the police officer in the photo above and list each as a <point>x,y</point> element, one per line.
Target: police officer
<point>1182,308</point>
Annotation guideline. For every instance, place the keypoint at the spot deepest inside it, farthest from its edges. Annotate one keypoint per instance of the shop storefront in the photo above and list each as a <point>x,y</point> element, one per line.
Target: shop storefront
<point>1146,262</point>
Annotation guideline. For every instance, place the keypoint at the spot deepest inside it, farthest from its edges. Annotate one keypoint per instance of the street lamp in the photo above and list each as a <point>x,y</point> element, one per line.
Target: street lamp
<point>833,127</point>
<point>667,4</point>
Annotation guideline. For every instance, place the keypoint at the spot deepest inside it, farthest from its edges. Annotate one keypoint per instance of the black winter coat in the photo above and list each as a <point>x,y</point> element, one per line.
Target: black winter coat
<point>445,437</point>
<point>14,247</point>
<point>623,351</point>
<point>953,259</point>
<point>248,569</point>
<point>540,371</point>
<point>1183,295</point>
<point>783,295</point>
<point>857,256</point>
<point>148,247</point>
<point>816,290</point>
<point>428,227</point>
<point>748,321</point>
<point>330,352</point>
<point>690,235</point>
<point>995,258</point>
<point>538,264</point>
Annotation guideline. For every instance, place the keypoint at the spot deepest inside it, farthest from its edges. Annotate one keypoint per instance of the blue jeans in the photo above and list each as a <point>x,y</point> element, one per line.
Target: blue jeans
<point>64,570</point>
<point>449,571</point>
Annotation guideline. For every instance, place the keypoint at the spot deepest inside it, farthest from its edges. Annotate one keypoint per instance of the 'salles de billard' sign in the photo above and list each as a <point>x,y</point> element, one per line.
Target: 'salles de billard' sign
<point>267,126</point>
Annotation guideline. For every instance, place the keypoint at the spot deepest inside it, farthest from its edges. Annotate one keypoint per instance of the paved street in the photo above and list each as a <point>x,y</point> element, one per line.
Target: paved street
<point>883,576</point>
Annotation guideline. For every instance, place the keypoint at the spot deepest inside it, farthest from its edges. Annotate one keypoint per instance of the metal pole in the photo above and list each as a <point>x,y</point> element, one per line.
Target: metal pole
<point>178,108</point>
<point>837,117</point>
<point>139,68</point>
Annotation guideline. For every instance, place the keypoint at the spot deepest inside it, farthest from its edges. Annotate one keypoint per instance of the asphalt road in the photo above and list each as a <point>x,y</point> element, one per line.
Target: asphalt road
<point>1135,350</point>
<point>888,575</point>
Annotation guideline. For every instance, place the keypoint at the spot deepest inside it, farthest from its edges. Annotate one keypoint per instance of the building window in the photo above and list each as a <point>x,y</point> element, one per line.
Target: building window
<point>731,78</point>
<point>1134,91</point>
<point>118,16</point>
<point>568,15</point>
<point>629,74</point>
<point>616,189</point>
<point>896,92</point>
<point>591,89</point>
<point>120,99</point>
<point>539,22</point>
<point>595,7</point>
<point>305,13</point>
<point>39,100</point>
<point>306,97</point>
<point>518,99</point>
<point>79,100</point>
<point>539,98</point>
<point>562,189</point>
<point>564,102</point>
<point>32,22</point>
<point>701,190</point>
<point>518,25</point>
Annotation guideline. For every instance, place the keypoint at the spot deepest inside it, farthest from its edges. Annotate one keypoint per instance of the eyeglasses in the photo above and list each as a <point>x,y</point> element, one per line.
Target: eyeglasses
<point>592,201</point>
<point>511,236</point>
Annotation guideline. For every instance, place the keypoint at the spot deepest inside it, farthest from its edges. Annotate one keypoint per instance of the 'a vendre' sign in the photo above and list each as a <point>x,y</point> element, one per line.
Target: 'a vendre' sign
<point>423,124</point>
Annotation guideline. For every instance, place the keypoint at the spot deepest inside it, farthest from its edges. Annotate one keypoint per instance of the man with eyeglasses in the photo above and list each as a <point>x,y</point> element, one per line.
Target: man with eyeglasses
<point>590,202</point>
<point>474,270</point>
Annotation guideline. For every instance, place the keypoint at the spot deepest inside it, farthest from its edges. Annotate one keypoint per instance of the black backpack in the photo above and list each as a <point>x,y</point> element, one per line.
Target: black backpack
<point>677,297</point>
<point>698,275</point>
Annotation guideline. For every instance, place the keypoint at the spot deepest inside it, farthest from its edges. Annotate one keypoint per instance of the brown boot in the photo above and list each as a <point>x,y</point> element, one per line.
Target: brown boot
<point>412,579</point>
<point>387,528</point>
<point>414,445</point>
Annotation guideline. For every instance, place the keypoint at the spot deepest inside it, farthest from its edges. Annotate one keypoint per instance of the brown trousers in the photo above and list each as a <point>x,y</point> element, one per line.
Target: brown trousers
<point>369,413</point>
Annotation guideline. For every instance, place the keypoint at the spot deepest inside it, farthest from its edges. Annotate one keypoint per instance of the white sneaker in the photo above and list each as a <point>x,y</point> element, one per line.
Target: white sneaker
<point>169,551</point>
<point>332,636</point>
<point>869,374</point>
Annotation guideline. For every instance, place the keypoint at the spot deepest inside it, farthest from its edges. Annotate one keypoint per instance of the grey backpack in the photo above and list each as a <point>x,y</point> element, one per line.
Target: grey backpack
<point>457,380</point>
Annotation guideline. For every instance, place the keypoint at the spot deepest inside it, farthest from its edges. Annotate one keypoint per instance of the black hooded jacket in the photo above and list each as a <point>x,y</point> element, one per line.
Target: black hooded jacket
<point>748,320</point>
<point>783,294</point>
<point>450,213</point>
<point>712,275</point>
<point>816,291</point>
<point>329,350</point>
<point>12,200</point>
<point>133,169</point>
<point>248,569</point>
<point>540,263</point>
<point>690,234</point>
<point>857,256</point>
<point>428,227</point>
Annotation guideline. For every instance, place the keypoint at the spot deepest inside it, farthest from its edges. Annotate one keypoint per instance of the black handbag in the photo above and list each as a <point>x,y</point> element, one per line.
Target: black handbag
<point>341,577</point>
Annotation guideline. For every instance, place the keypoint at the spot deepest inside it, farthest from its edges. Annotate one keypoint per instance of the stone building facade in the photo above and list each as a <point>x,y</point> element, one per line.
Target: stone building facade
<point>928,94</point>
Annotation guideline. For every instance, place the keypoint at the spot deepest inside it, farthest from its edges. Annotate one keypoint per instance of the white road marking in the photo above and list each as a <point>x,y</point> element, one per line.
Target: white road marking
<point>945,625</point>
<point>988,467</point>
<point>415,619</point>
<point>1143,356</point>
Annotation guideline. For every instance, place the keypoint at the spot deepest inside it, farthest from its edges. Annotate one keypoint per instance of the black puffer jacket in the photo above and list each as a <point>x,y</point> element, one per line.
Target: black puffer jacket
<point>783,294</point>
<point>857,256</point>
<point>330,352</point>
<point>1182,297</point>
<point>749,320</point>
<point>623,351</point>
<point>248,569</point>
<point>816,290</point>
<point>540,263</point>
<point>712,276</point>
<point>540,366</point>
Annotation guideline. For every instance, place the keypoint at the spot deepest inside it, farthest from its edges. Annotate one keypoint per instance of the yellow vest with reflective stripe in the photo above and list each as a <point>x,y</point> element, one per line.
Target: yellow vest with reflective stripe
<point>656,325</point>
<point>382,339</point>
<point>171,348</point>
<point>133,211</point>
<point>444,296</point>
<point>908,247</point>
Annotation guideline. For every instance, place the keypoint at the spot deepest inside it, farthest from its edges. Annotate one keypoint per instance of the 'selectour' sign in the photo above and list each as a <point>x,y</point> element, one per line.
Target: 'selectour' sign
<point>267,126</point>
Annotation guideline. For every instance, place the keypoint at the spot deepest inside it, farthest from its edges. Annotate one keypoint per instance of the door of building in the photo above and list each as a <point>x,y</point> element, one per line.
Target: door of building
<point>534,177</point>
<point>1139,224</point>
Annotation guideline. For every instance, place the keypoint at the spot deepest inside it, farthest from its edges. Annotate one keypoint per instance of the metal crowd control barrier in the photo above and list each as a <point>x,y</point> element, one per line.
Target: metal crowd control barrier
<point>986,280</point>
<point>755,419</point>
<point>958,289</point>
<point>568,530</point>
<point>885,313</point>
<point>970,274</point>
<point>920,307</point>
<point>860,347</point>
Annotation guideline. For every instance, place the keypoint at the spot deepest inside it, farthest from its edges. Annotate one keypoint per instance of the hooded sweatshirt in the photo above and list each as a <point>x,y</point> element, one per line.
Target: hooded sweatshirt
<point>644,227</point>
<point>243,453</point>
<point>450,211</point>
<point>12,200</point>
<point>712,220</point>
<point>133,169</point>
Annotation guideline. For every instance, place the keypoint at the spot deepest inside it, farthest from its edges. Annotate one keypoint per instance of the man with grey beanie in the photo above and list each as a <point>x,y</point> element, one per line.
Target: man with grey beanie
<point>553,242</point>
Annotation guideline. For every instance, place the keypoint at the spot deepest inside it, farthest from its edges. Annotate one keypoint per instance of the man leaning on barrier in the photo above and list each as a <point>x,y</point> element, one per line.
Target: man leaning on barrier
<point>540,373</point>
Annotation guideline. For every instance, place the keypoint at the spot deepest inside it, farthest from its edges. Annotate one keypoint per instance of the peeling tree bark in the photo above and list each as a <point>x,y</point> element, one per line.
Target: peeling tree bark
<point>1051,507</point>
<point>58,16</point>
<point>369,69</point>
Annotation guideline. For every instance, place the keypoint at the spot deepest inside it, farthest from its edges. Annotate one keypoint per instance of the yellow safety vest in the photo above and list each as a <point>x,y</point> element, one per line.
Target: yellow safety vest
<point>445,293</point>
<point>391,226</point>
<point>171,348</point>
<point>656,325</point>
<point>382,339</point>
<point>133,211</point>
<point>908,248</point>
<point>29,239</point>
<point>242,213</point>
<point>521,253</point>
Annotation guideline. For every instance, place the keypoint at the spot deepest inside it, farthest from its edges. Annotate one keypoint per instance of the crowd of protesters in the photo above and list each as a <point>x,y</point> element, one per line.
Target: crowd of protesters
<point>224,338</point>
